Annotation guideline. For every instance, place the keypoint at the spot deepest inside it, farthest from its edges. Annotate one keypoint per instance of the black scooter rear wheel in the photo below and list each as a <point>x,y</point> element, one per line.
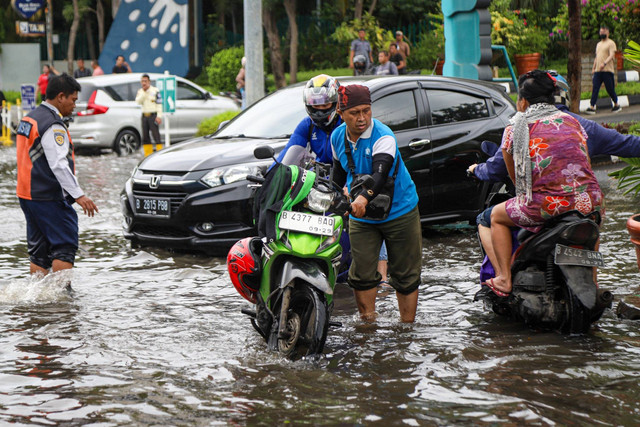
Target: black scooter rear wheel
<point>307,323</point>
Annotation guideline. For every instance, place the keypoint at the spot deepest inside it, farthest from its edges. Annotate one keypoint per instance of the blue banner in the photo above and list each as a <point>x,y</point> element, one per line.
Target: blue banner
<point>28,96</point>
<point>27,8</point>
<point>152,37</point>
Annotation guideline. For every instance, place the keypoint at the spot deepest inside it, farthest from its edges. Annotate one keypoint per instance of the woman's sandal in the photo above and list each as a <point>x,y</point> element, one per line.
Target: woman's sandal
<point>498,292</point>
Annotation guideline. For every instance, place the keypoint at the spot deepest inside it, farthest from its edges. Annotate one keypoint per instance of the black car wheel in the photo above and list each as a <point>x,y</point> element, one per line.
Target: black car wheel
<point>127,142</point>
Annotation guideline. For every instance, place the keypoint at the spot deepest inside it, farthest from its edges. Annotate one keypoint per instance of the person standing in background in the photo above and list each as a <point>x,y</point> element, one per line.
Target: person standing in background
<point>121,66</point>
<point>48,72</point>
<point>240,83</point>
<point>360,47</point>
<point>149,97</point>
<point>386,67</point>
<point>603,70</point>
<point>396,58</point>
<point>97,69</point>
<point>81,71</point>
<point>403,47</point>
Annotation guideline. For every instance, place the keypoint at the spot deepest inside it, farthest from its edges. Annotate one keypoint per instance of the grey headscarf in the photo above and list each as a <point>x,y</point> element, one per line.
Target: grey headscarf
<point>521,138</point>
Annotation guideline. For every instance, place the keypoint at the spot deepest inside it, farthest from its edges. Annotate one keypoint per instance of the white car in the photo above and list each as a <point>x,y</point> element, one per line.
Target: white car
<point>107,116</point>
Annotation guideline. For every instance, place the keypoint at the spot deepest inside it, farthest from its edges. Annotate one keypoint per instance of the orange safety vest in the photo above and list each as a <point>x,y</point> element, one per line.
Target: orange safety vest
<point>36,180</point>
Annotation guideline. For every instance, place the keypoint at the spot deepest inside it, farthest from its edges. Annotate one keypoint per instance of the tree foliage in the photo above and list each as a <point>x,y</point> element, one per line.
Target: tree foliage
<point>224,67</point>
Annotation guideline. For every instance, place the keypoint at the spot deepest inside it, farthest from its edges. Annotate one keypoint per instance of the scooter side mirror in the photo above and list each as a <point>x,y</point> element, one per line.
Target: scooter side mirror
<point>263,152</point>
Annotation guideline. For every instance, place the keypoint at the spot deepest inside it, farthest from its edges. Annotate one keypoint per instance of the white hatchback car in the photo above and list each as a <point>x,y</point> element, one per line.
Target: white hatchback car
<point>107,116</point>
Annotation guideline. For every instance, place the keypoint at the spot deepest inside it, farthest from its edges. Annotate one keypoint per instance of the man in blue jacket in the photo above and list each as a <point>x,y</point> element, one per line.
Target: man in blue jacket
<point>312,134</point>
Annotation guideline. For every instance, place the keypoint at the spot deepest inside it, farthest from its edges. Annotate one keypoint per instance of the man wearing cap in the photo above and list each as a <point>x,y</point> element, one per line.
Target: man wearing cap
<point>362,145</point>
<point>403,47</point>
<point>360,47</point>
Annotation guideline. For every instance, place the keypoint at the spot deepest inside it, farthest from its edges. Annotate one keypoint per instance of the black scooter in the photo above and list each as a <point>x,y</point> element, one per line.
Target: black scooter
<point>552,275</point>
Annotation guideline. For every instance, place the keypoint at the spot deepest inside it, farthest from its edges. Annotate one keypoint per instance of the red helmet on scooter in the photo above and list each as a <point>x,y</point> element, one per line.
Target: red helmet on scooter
<point>243,263</point>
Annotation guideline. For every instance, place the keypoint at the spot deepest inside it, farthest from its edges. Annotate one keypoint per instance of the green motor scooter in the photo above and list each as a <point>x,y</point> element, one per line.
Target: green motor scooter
<point>289,272</point>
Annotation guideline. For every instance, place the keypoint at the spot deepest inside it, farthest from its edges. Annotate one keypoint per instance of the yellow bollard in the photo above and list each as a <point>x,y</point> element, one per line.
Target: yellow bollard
<point>148,148</point>
<point>6,117</point>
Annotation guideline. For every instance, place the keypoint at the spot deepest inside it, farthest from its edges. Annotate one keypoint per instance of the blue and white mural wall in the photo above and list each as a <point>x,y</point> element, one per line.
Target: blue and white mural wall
<point>152,35</point>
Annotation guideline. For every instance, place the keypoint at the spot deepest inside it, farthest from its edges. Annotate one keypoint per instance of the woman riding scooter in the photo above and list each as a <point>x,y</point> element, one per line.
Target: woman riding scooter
<point>546,155</point>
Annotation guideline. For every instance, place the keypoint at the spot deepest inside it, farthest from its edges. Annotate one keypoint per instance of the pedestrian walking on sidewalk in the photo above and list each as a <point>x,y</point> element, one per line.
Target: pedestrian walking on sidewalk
<point>603,71</point>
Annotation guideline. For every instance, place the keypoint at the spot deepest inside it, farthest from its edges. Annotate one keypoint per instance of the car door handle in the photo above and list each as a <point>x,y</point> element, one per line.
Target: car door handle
<point>418,143</point>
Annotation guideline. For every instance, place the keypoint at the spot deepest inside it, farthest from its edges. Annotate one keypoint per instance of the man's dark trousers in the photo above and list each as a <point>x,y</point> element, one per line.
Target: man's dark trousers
<point>149,124</point>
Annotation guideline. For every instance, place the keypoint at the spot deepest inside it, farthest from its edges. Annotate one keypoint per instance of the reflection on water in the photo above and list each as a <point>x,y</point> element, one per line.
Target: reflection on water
<point>155,337</point>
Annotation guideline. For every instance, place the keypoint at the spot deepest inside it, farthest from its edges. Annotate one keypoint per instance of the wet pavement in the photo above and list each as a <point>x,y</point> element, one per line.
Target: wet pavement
<point>151,337</point>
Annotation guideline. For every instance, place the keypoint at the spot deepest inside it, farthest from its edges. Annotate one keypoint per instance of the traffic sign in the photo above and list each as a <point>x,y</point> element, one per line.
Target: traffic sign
<point>167,87</point>
<point>28,95</point>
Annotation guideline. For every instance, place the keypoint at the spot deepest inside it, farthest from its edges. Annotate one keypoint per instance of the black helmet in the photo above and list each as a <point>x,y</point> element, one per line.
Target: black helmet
<point>320,90</point>
<point>360,62</point>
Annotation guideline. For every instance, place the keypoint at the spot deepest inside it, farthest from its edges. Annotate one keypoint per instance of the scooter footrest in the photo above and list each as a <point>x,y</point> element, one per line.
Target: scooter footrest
<point>248,312</point>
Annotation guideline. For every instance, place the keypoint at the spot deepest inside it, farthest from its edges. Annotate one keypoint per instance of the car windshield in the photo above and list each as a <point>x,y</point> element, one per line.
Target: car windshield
<point>276,115</point>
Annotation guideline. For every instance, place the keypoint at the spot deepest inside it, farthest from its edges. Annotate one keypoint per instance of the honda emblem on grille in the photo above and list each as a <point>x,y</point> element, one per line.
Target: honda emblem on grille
<point>154,182</point>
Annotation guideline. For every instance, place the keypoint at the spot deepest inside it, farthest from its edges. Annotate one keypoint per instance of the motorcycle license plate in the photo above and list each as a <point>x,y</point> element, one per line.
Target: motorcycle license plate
<point>153,206</point>
<point>572,256</point>
<point>307,223</point>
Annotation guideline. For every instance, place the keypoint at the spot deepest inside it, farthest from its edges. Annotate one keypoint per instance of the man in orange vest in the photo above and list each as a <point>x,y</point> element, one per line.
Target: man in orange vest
<point>47,185</point>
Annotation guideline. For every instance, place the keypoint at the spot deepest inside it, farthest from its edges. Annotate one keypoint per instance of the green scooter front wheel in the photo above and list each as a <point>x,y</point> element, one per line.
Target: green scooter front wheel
<point>307,321</point>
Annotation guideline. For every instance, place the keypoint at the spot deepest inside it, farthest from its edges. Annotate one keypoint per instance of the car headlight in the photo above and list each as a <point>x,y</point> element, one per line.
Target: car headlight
<point>229,174</point>
<point>318,201</point>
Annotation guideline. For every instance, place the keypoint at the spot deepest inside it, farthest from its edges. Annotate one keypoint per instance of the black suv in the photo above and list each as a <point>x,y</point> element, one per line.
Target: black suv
<point>194,195</point>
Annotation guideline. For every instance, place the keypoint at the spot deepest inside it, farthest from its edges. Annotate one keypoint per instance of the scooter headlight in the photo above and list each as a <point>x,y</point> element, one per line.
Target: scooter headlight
<point>318,201</point>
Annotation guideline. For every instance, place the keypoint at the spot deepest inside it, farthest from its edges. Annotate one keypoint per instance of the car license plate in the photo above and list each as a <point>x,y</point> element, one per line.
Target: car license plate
<point>153,206</point>
<point>307,223</point>
<point>572,256</point>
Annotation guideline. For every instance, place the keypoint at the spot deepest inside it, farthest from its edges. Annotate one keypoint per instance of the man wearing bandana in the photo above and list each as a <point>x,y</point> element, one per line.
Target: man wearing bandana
<point>363,145</point>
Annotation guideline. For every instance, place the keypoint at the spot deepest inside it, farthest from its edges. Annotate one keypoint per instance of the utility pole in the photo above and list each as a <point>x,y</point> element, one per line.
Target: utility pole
<point>254,68</point>
<point>49,25</point>
<point>574,66</point>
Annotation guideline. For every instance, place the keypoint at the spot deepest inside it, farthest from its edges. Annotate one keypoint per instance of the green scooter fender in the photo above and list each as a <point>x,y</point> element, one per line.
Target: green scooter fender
<point>305,270</point>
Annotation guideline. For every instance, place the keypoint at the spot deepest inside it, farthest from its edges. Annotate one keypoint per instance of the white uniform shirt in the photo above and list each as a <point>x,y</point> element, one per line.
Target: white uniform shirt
<point>149,99</point>
<point>56,146</point>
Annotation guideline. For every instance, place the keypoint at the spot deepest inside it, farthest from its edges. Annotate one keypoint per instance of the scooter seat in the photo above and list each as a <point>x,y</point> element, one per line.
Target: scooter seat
<point>524,235</point>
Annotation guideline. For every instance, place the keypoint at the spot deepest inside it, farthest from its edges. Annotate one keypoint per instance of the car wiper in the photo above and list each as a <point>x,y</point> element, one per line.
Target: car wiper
<point>285,136</point>
<point>240,135</point>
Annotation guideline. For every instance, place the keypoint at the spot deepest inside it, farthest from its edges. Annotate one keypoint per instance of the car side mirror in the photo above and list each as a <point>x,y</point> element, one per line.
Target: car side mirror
<point>263,152</point>
<point>207,96</point>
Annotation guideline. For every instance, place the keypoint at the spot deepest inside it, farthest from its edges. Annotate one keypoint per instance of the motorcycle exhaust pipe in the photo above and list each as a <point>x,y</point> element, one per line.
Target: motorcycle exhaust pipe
<point>604,299</point>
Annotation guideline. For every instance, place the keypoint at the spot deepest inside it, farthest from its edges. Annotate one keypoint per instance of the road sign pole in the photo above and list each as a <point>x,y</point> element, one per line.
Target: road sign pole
<point>167,136</point>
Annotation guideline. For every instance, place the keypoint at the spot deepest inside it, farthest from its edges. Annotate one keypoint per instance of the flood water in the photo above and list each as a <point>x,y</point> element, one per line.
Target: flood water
<point>150,337</point>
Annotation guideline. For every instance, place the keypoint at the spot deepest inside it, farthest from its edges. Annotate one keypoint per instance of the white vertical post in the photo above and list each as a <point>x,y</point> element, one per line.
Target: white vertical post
<point>165,116</point>
<point>254,68</point>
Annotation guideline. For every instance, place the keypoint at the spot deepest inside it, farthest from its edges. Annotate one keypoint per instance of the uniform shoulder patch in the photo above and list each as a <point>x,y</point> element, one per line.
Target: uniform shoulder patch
<point>24,128</point>
<point>58,136</point>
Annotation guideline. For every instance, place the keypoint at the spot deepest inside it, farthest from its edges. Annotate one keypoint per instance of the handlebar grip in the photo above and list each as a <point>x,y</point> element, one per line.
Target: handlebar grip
<point>256,179</point>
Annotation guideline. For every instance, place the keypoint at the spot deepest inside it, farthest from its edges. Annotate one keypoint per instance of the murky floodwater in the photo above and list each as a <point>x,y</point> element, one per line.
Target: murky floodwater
<point>153,337</point>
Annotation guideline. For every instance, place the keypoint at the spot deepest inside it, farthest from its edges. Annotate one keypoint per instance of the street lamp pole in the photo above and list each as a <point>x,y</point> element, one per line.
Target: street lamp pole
<point>49,24</point>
